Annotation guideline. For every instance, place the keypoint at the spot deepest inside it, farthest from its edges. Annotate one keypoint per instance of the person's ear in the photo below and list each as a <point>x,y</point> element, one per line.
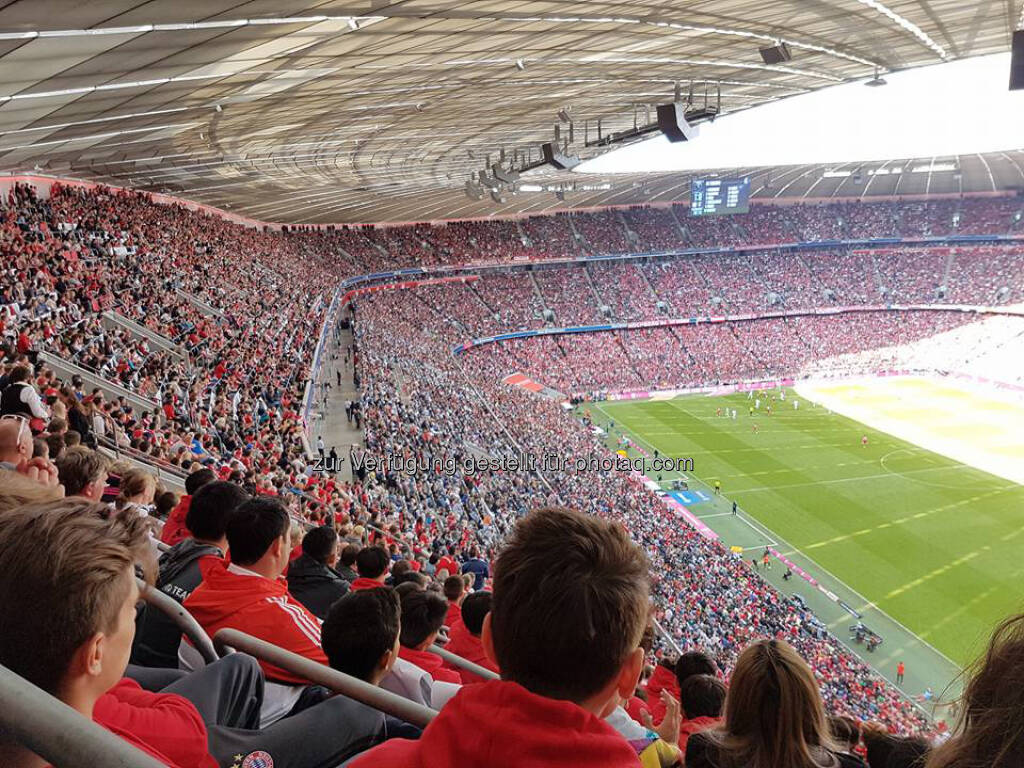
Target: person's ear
<point>279,547</point>
<point>629,673</point>
<point>431,639</point>
<point>386,662</point>
<point>87,661</point>
<point>487,641</point>
<point>89,492</point>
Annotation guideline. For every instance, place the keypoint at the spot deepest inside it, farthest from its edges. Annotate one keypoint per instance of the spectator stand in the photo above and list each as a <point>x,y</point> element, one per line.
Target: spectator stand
<point>111,319</point>
<point>167,475</point>
<point>67,369</point>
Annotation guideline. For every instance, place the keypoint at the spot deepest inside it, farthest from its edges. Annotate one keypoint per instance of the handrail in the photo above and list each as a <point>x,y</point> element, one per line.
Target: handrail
<point>184,620</point>
<point>668,637</point>
<point>159,465</point>
<point>462,663</point>
<point>57,733</point>
<point>352,687</point>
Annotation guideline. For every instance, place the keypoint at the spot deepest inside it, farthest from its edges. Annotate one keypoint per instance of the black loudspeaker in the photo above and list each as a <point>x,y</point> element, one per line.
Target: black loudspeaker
<point>775,54</point>
<point>672,122</point>
<point>553,156</point>
<point>1017,61</point>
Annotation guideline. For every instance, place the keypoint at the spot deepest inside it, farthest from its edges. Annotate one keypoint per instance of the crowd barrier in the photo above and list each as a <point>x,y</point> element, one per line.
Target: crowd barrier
<point>181,618</point>
<point>57,733</point>
<point>227,640</point>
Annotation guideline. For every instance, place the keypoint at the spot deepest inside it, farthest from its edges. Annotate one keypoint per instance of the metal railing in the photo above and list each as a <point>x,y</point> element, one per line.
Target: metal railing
<point>57,733</point>
<point>166,473</point>
<point>352,687</point>
<point>462,663</point>
<point>666,635</point>
<point>181,618</point>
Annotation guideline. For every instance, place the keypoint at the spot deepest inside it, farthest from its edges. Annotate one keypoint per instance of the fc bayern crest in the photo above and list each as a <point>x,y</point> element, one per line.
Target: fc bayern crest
<point>258,759</point>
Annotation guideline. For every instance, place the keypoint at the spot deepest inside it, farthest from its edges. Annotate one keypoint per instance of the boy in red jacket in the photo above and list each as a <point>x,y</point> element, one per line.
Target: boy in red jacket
<point>670,680</point>
<point>372,563</point>
<point>702,698</point>
<point>569,608</point>
<point>77,642</point>
<point>454,592</point>
<point>422,617</point>
<point>250,595</point>
<point>73,641</point>
<point>174,529</point>
<point>465,636</point>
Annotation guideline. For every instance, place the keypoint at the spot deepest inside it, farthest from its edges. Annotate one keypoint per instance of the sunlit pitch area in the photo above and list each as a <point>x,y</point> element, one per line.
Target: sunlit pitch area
<point>977,426</point>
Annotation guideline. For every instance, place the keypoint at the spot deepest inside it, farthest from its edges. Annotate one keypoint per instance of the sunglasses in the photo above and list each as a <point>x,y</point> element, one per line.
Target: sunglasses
<point>22,423</point>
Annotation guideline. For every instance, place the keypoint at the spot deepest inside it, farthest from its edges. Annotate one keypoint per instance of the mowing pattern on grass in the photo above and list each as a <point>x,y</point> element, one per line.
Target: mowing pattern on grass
<point>936,544</point>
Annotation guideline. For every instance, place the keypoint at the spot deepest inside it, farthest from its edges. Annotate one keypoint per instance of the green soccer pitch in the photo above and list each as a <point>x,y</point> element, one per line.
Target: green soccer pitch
<point>929,549</point>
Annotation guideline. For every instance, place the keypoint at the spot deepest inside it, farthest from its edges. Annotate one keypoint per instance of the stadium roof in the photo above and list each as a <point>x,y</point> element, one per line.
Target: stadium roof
<point>379,111</point>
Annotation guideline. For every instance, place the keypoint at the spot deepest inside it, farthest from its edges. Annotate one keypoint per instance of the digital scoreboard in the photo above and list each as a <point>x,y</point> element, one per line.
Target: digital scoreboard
<point>716,197</point>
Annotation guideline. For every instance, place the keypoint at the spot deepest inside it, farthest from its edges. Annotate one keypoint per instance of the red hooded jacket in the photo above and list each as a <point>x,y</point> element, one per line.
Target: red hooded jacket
<point>463,643</point>
<point>258,606</point>
<point>430,663</point>
<point>635,708</point>
<point>164,725</point>
<point>448,563</point>
<point>174,529</point>
<point>364,583</point>
<point>690,727</point>
<point>511,728</point>
<point>663,678</point>
<point>454,615</point>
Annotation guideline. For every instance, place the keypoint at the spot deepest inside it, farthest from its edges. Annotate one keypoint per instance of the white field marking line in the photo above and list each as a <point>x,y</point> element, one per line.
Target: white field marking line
<point>914,583</point>
<point>717,514</point>
<point>957,465</point>
<point>907,519</point>
<point>865,603</point>
<point>946,398</point>
<point>768,543</point>
<point>889,472</point>
<point>765,531</point>
<point>758,488</point>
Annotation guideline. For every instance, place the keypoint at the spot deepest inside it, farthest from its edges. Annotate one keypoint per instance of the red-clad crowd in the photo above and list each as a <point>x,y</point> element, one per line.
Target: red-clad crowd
<point>551,576</point>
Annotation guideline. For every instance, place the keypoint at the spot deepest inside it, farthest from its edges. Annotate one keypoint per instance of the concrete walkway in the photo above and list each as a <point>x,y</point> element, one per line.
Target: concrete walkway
<point>329,421</point>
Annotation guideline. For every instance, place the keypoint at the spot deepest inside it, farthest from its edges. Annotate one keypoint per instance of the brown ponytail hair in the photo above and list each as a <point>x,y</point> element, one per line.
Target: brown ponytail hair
<point>990,733</point>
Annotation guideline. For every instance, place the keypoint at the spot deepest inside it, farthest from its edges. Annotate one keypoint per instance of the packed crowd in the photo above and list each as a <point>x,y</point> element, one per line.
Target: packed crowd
<point>686,356</point>
<point>704,597</point>
<point>237,313</point>
<point>565,622</point>
<point>737,284</point>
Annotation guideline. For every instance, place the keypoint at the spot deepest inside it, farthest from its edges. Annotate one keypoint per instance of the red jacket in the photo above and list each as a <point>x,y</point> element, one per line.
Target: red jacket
<point>690,727</point>
<point>511,728</point>
<point>258,606</point>
<point>430,663</point>
<point>469,647</point>
<point>454,615</point>
<point>164,725</point>
<point>447,563</point>
<point>174,529</point>
<point>663,678</point>
<point>363,583</point>
<point>635,707</point>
